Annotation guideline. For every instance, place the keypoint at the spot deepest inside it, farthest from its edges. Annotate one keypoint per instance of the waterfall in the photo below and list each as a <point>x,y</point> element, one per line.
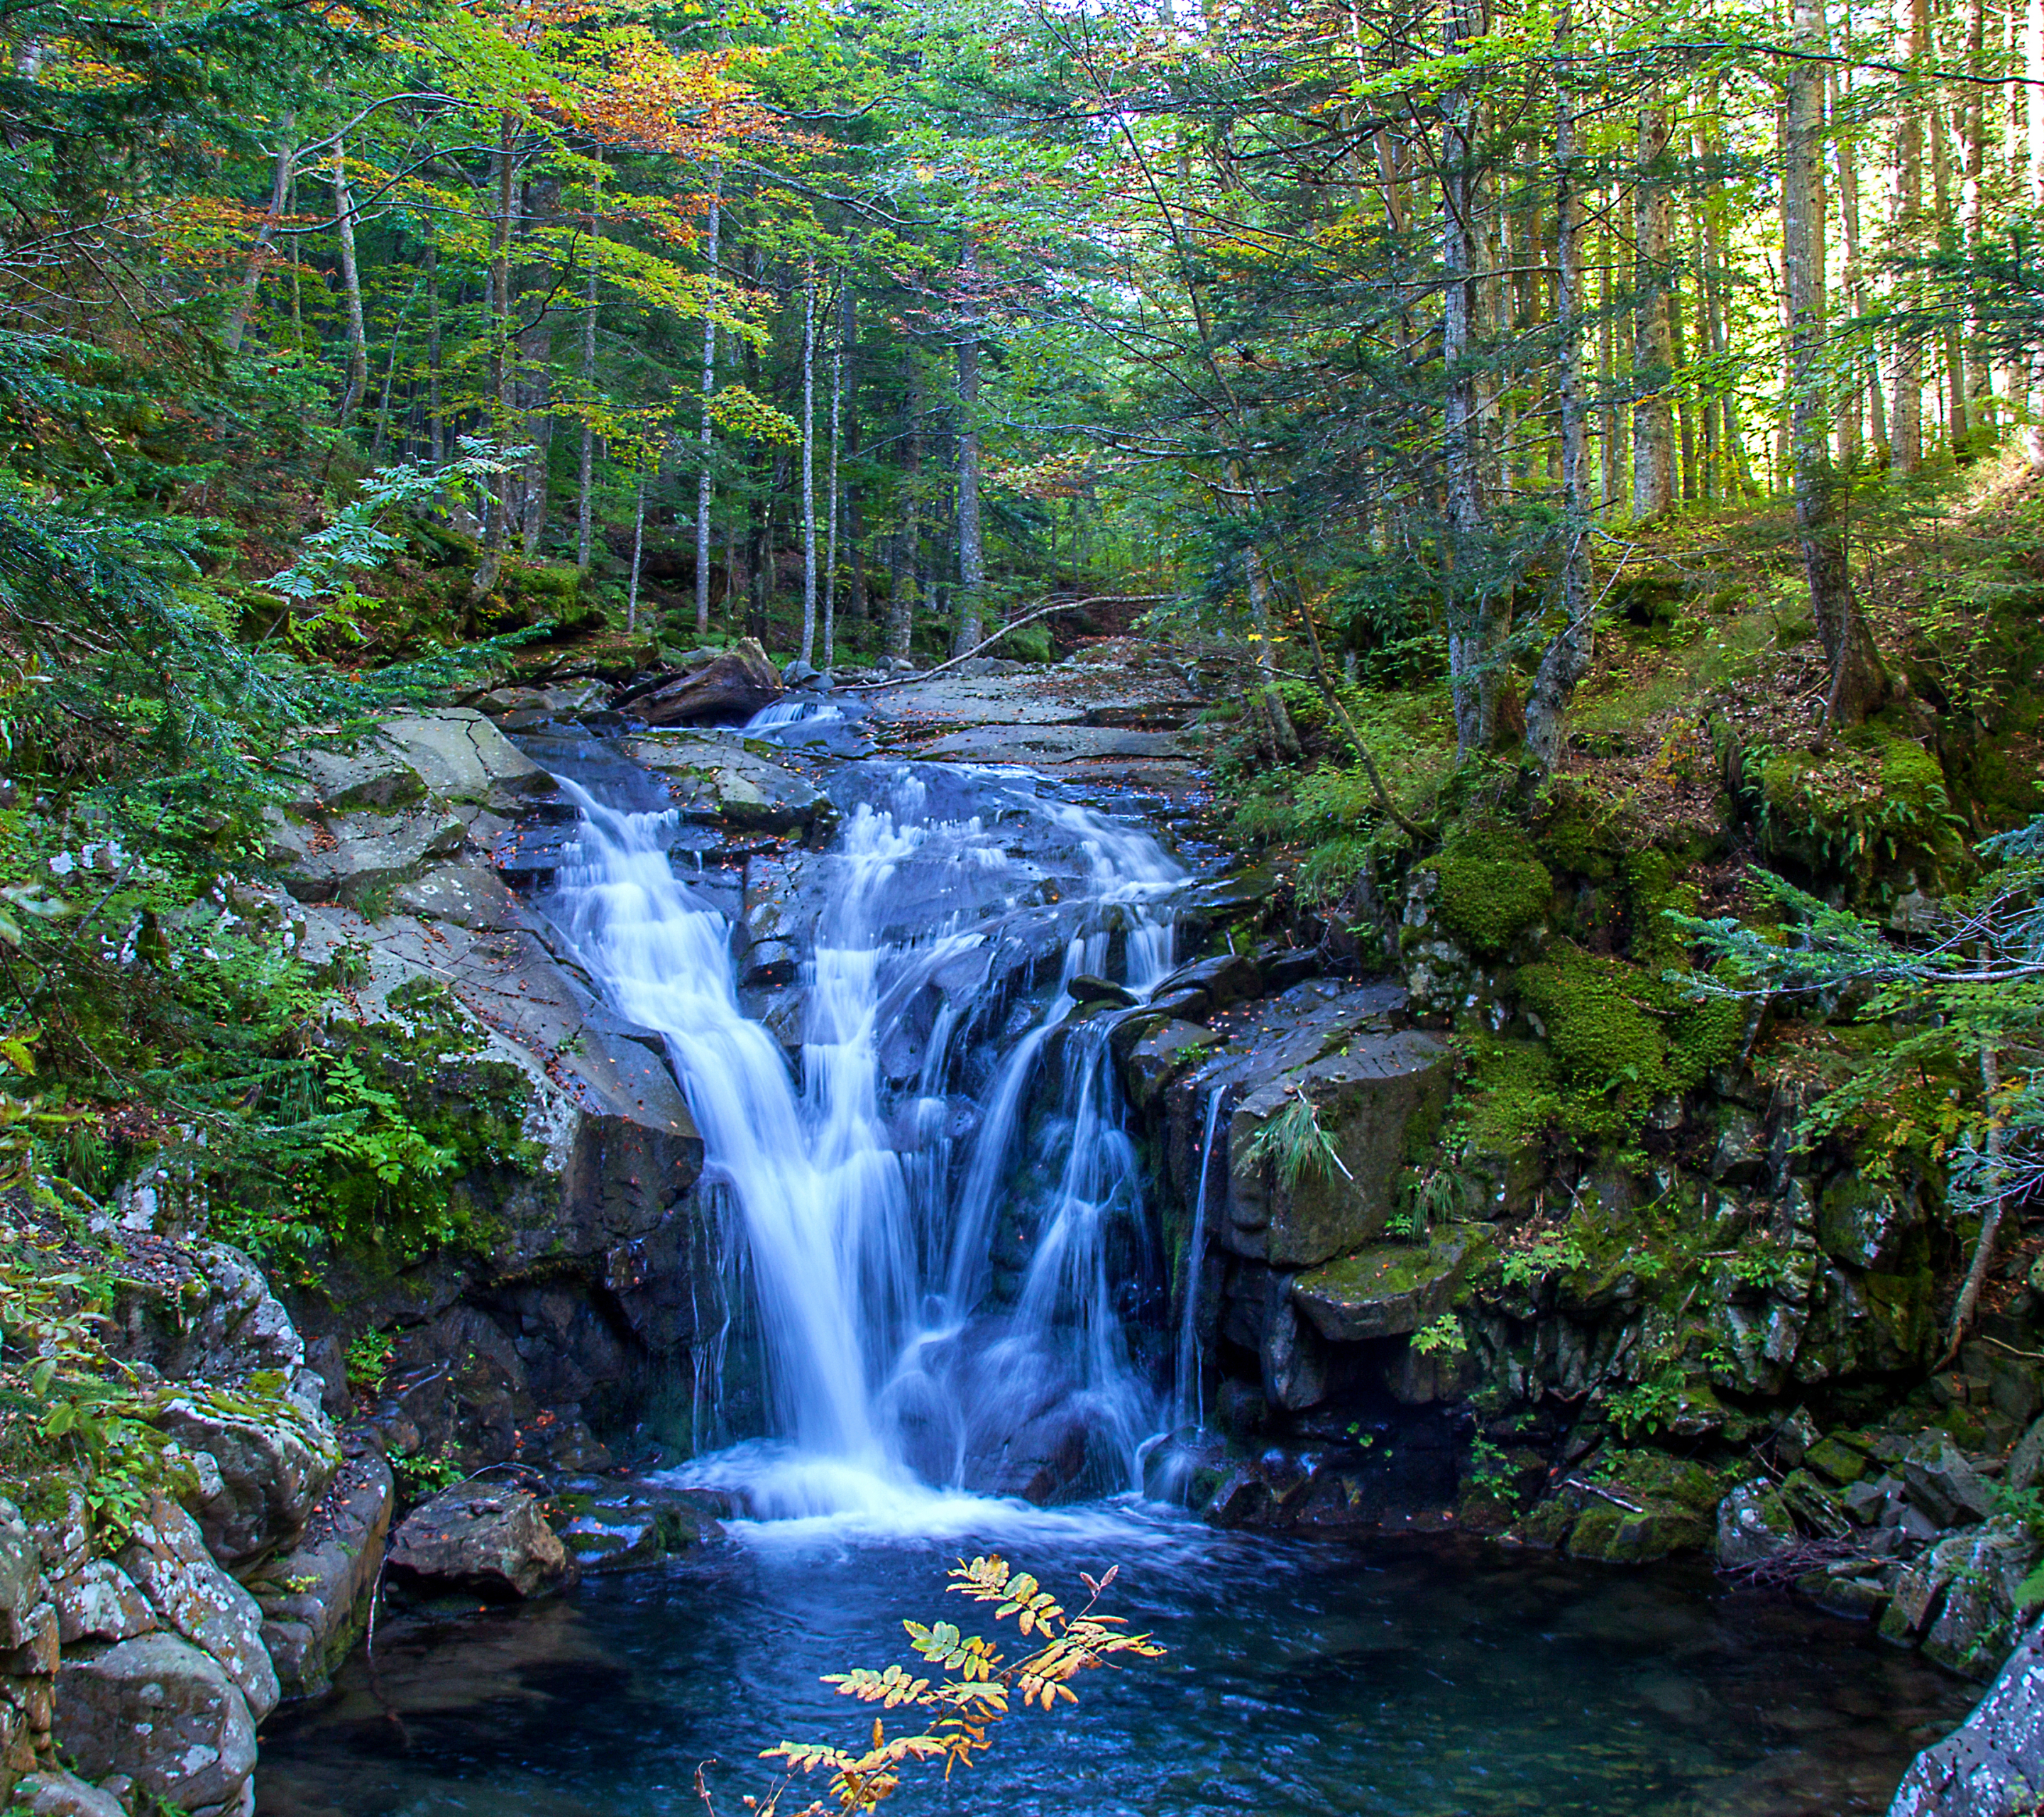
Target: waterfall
<point>899,1355</point>
<point>1188,1391</point>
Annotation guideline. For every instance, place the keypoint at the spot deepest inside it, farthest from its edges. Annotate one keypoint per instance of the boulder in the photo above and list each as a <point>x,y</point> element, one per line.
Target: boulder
<point>727,690</point>
<point>224,1327</point>
<point>461,756</point>
<point>99,1601</point>
<point>1367,1098</point>
<point>160,1710</point>
<point>57,1793</point>
<point>2025,1462</point>
<point>1971,1634</point>
<point>1161,1055</point>
<point>1993,1763</point>
<point>167,1561</point>
<point>1752,1527</point>
<point>1388,1290</point>
<point>21,1586</point>
<point>1939,1480</point>
<point>487,1541</point>
<point>725,781</point>
<point>315,1598</point>
<point>367,855</point>
<point>273,1459</point>
<point>374,777</point>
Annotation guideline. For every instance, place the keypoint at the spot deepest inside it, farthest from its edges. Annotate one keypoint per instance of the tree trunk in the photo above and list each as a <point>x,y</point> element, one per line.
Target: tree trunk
<point>586,473</point>
<point>351,285</point>
<point>258,256</point>
<point>1653,352</point>
<point>856,606</point>
<point>708,391</point>
<point>1567,658</point>
<point>1973,181</point>
<point>1611,453</point>
<point>1905,227</point>
<point>496,533</point>
<point>637,548</point>
<point>972,555</point>
<point>830,554</point>
<point>533,379</point>
<point>435,416</point>
<point>902,596</point>
<point>1857,684</point>
<point>1477,625</point>
<point>1923,50</point>
<point>808,649</point>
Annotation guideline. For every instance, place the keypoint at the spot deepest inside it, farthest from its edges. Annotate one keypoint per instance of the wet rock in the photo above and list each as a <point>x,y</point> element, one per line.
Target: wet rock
<point>160,1711</point>
<point>57,1793</point>
<point>727,690</point>
<point>1864,1226</point>
<point>99,1601</point>
<point>1218,982</point>
<point>1295,1360</point>
<point>1837,1592</point>
<point>1167,1050</point>
<point>489,1542</point>
<point>1388,1290</point>
<point>1920,1591</point>
<point>1611,1534</point>
<point>374,776</point>
<point>314,1599</point>
<point>2025,1462</point>
<point>616,1528</point>
<point>1971,1634</point>
<point>166,1560</point>
<point>1367,1100</point>
<point>365,854</point>
<point>726,781</point>
<point>1837,1462</point>
<point>1994,1763</point>
<point>1940,1481</point>
<point>1752,1527</point>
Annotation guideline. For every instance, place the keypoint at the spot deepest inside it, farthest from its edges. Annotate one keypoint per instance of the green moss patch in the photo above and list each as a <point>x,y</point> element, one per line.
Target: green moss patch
<point>1492,887</point>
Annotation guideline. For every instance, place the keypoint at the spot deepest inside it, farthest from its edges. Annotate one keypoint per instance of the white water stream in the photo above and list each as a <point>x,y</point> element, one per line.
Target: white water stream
<point>904,1372</point>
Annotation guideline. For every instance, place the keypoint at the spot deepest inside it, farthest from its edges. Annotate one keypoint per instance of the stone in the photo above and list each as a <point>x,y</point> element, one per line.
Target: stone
<point>1851,1599</point>
<point>1993,1763</point>
<point>275,1459</point>
<point>1920,1591</point>
<point>2025,1462</point>
<point>490,1541</point>
<point>467,895</point>
<point>99,1601</point>
<point>1971,1634</point>
<point>55,1793</point>
<point>371,854</point>
<point>1753,1526</point>
<point>1087,988</point>
<point>1161,1055</point>
<point>21,1586</point>
<point>234,1329</point>
<point>166,1560</point>
<point>459,754</point>
<point>374,776</point>
<point>1615,1535</point>
<point>1939,1480</point>
<point>1864,1226</point>
<point>162,1712</point>
<point>727,690</point>
<point>1389,1290</point>
<point>1836,1460</point>
<point>1366,1098</point>
<point>716,779</point>
<point>314,1599</point>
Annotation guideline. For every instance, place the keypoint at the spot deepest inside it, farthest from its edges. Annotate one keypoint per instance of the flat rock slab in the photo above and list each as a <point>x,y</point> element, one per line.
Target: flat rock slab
<point>1389,1290</point>
<point>729,781</point>
<point>1053,746</point>
<point>461,756</point>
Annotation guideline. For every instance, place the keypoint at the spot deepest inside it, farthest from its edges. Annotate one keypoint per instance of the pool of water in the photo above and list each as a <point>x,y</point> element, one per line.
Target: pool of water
<point>1422,1678</point>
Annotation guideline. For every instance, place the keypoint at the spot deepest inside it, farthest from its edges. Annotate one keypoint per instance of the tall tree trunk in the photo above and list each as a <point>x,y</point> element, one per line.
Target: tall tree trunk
<point>903,595</point>
<point>1905,228</point>
<point>350,285</point>
<point>808,649</point>
<point>497,531</point>
<point>1857,684</point>
<point>972,555</point>
<point>258,256</point>
<point>1567,657</point>
<point>708,392</point>
<point>830,554</point>
<point>435,416</point>
<point>638,549</point>
<point>1867,366</point>
<point>1611,452</point>
<point>856,606</point>
<point>1652,352</point>
<point>1972,185</point>
<point>1477,623</point>
<point>586,471</point>
<point>1923,51</point>
<point>533,379</point>
<point>1684,410</point>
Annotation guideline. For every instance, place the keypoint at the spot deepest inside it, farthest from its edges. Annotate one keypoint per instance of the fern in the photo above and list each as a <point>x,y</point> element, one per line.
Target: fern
<point>1295,1143</point>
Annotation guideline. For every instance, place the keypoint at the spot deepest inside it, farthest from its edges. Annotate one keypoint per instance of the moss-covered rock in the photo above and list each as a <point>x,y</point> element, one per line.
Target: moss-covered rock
<point>1386,1291</point>
<point>1492,887</point>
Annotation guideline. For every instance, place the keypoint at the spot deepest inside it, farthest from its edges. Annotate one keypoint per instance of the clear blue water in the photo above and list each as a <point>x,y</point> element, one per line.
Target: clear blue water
<point>1419,1678</point>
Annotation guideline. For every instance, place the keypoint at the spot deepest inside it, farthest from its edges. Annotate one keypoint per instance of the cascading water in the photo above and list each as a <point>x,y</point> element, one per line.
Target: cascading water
<point>928,1320</point>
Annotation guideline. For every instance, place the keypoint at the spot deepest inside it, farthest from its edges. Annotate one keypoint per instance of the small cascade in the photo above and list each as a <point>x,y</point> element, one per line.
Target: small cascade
<point>1188,1387</point>
<point>938,1311</point>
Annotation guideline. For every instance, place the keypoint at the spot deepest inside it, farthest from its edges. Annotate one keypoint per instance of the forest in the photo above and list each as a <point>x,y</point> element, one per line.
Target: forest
<point>854,774</point>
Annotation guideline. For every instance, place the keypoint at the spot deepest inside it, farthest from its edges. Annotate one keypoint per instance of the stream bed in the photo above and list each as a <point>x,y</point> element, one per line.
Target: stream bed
<point>1416,1677</point>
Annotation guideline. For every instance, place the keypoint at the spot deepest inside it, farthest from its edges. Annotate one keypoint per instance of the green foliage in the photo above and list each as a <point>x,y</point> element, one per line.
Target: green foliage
<point>1872,801</point>
<point>1492,887</point>
<point>1293,1141</point>
<point>1645,1407</point>
<point>1443,1337</point>
<point>369,1355</point>
<point>1551,1252</point>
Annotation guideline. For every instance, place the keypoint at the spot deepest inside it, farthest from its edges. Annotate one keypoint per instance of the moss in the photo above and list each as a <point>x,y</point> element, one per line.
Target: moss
<point>1599,1021</point>
<point>1872,804</point>
<point>1492,887</point>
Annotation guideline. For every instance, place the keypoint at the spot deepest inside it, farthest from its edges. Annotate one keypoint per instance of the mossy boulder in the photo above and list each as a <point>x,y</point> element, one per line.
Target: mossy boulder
<point>1492,888</point>
<point>1386,1291</point>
